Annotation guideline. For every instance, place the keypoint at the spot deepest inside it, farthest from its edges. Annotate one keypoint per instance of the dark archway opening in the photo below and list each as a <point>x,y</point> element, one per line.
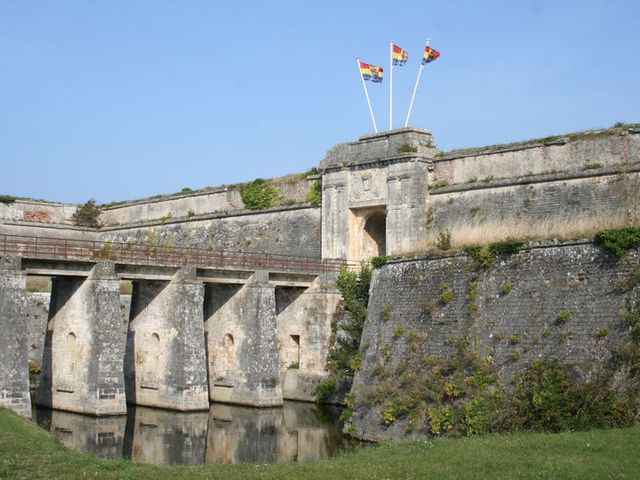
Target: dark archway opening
<point>375,234</point>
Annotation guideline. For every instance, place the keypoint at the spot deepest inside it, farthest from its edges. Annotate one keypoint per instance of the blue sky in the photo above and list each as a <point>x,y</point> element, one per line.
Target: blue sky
<point>118,99</point>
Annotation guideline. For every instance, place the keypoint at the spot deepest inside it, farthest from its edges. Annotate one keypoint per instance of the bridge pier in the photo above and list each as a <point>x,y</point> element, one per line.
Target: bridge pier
<point>165,360</point>
<point>304,332</point>
<point>14,363</point>
<point>83,351</point>
<point>242,346</point>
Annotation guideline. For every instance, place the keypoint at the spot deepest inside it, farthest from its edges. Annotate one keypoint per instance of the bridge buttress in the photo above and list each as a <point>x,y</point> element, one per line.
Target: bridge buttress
<point>304,327</point>
<point>84,346</point>
<point>165,359</point>
<point>14,363</point>
<point>243,356</point>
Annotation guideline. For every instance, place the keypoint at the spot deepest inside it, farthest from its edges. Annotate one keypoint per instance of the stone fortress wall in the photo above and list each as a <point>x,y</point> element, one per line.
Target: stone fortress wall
<point>510,312</point>
<point>392,194</point>
<point>561,187</point>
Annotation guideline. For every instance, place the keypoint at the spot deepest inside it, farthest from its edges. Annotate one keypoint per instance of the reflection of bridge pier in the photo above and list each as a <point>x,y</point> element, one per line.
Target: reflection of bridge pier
<point>102,436</point>
<point>233,340</point>
<point>161,436</point>
<point>241,434</point>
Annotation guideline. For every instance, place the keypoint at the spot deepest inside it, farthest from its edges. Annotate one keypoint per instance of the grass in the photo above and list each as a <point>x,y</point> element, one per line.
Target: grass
<point>470,232</point>
<point>29,452</point>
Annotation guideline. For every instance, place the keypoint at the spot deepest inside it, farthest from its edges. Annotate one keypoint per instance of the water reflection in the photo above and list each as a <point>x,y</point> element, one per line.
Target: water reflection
<point>226,434</point>
<point>162,436</point>
<point>102,436</point>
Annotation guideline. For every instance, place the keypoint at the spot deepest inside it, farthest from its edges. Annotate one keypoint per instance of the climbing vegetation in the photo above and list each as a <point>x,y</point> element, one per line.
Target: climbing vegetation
<point>344,356</point>
<point>314,196</point>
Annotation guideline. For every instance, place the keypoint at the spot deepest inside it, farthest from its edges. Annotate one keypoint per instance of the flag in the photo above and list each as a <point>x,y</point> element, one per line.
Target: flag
<point>400,55</point>
<point>429,55</point>
<point>371,72</point>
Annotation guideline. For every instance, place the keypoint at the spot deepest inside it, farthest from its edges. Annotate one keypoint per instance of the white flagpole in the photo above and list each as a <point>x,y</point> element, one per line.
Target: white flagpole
<point>391,86</point>
<point>366,94</point>
<point>415,88</point>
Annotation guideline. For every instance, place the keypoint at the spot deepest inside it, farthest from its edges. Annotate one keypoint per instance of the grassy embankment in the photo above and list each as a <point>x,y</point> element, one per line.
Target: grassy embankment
<point>26,451</point>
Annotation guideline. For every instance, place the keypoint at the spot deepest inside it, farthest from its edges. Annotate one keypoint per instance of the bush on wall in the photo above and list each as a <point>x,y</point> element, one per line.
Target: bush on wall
<point>87,215</point>
<point>260,195</point>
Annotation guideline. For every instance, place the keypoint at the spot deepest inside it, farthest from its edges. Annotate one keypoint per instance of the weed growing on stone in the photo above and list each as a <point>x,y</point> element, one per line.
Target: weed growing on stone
<point>563,317</point>
<point>446,294</point>
<point>505,287</point>
<point>444,240</point>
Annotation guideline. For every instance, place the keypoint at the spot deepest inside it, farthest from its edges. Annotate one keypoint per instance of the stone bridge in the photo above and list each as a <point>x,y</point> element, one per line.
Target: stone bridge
<point>204,325</point>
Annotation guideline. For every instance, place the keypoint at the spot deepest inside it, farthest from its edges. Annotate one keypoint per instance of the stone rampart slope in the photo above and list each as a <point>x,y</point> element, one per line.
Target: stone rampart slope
<point>551,301</point>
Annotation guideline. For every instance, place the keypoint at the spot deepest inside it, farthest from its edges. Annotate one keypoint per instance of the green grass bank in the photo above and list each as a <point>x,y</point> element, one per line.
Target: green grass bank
<point>28,452</point>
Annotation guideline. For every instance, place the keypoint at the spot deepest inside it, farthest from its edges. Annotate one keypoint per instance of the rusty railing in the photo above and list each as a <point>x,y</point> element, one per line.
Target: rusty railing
<point>145,254</point>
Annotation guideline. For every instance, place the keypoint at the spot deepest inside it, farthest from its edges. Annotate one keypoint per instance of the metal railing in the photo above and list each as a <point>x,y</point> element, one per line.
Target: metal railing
<point>146,254</point>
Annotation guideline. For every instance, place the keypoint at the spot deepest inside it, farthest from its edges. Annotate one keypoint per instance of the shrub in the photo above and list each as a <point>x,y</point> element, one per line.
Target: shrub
<point>389,414</point>
<point>440,420</point>
<point>619,241</point>
<point>547,399</point>
<point>505,247</point>
<point>324,390</point>
<point>260,195</point>
<point>379,261</point>
<point>7,199</point>
<point>482,257</point>
<point>314,196</point>
<point>87,215</point>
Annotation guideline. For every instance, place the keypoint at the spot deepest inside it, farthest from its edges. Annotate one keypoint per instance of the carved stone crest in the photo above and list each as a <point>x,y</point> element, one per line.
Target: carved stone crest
<point>367,185</point>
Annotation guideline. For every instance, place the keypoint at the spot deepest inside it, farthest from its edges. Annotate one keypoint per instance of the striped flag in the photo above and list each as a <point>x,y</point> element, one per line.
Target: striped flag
<point>429,55</point>
<point>371,72</point>
<point>400,55</point>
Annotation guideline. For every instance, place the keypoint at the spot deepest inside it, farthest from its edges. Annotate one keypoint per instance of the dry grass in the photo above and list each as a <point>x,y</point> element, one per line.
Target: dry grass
<point>472,232</point>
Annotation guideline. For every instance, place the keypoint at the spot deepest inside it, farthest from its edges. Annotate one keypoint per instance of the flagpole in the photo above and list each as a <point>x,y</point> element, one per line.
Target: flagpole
<point>366,94</point>
<point>391,85</point>
<point>415,88</point>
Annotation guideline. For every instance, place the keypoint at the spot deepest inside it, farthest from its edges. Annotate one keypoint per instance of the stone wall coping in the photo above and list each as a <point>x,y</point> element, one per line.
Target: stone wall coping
<point>389,133</point>
<point>536,143</point>
<point>169,197</point>
<point>380,162</point>
<point>528,246</point>
<point>30,201</point>
<point>54,226</point>
<point>206,216</point>
<point>539,178</point>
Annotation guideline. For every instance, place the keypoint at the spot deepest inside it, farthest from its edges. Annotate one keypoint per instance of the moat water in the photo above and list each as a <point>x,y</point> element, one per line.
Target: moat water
<point>225,434</point>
